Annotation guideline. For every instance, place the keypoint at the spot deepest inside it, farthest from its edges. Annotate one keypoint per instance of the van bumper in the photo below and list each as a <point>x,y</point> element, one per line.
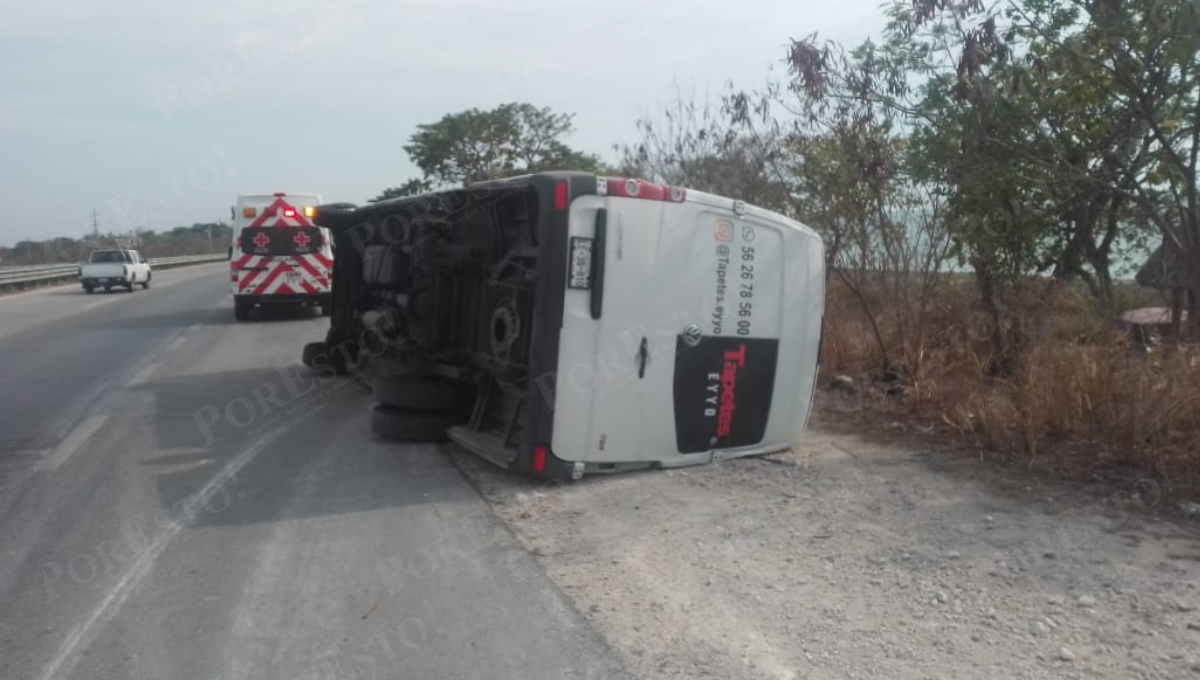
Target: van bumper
<point>290,299</point>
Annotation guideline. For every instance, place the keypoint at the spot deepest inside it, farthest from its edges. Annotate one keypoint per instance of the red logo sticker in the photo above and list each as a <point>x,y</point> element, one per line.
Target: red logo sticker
<point>261,240</point>
<point>733,361</point>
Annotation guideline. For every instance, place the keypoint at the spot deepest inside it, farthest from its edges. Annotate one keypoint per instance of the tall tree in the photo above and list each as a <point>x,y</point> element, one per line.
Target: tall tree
<point>512,139</point>
<point>699,146</point>
<point>412,187</point>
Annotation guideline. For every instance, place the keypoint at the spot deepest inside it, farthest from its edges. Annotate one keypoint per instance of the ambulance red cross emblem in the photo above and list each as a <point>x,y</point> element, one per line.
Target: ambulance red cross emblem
<point>261,240</point>
<point>301,240</point>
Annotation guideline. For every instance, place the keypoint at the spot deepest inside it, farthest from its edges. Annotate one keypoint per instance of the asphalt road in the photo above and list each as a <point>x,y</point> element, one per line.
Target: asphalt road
<point>180,499</point>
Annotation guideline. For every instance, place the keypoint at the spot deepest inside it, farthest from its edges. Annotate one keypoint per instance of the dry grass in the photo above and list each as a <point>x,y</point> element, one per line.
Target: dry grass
<point>1081,397</point>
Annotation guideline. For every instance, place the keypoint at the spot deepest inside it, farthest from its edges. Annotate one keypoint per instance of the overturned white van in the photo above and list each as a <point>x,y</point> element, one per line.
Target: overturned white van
<point>564,323</point>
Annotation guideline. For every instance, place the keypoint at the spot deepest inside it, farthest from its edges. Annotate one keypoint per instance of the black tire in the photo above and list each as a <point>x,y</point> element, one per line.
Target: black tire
<point>89,290</point>
<point>411,426</point>
<point>146,283</point>
<point>332,358</point>
<point>129,286</point>
<point>311,351</point>
<point>241,311</point>
<point>420,394</point>
<point>326,309</point>
<point>108,289</point>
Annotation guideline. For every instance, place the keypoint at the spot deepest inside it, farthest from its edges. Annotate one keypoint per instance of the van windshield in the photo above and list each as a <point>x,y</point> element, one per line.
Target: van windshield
<point>280,241</point>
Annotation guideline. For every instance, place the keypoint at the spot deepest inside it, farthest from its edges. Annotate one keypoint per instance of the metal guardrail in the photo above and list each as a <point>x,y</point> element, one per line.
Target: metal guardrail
<point>32,276</point>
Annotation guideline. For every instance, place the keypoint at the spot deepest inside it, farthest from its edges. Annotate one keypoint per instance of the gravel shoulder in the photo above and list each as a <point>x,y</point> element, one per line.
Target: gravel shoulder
<point>852,558</point>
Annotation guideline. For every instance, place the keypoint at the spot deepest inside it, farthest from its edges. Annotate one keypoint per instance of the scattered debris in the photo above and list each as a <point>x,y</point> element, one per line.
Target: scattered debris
<point>842,382</point>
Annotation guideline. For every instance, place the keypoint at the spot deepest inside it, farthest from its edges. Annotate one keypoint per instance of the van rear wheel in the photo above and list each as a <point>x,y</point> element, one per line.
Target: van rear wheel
<point>412,426</point>
<point>420,394</point>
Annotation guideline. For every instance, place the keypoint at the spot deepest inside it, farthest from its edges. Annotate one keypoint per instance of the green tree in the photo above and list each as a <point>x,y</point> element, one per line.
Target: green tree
<point>1146,56</point>
<point>512,139</point>
<point>1054,129</point>
<point>412,187</point>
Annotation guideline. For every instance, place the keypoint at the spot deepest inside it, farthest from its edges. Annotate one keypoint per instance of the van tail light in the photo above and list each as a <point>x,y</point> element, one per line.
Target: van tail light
<point>539,458</point>
<point>635,188</point>
<point>560,196</point>
<point>233,272</point>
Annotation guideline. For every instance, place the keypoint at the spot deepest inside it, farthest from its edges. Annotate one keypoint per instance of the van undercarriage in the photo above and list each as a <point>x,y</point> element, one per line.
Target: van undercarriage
<point>438,297</point>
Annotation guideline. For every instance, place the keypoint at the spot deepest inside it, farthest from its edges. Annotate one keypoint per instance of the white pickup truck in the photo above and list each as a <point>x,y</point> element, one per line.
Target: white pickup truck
<point>109,268</point>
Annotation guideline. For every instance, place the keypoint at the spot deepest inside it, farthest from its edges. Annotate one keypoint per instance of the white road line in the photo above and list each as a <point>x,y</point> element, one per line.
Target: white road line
<point>177,343</point>
<point>67,657</point>
<point>68,446</point>
<point>143,375</point>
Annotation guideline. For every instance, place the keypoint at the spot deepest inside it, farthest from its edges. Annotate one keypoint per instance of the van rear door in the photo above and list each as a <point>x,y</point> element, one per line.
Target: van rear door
<point>681,359</point>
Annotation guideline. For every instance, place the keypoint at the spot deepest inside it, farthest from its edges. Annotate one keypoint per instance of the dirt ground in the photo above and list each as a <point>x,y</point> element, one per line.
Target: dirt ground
<point>850,558</point>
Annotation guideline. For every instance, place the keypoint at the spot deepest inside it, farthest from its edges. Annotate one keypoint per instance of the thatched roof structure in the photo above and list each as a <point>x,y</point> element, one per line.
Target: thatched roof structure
<point>1164,269</point>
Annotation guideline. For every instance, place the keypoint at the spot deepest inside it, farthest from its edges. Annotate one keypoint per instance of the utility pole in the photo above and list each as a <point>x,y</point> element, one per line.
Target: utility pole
<point>95,226</point>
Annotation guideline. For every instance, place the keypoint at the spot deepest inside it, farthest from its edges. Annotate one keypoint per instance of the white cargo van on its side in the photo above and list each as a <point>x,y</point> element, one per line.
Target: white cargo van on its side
<point>278,255</point>
<point>563,323</point>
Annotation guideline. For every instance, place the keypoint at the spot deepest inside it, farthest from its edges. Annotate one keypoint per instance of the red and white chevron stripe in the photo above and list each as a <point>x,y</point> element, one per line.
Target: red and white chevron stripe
<point>266,275</point>
<point>302,273</point>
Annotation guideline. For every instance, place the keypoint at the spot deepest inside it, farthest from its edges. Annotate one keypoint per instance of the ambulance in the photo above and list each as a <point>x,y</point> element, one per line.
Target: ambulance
<point>278,256</point>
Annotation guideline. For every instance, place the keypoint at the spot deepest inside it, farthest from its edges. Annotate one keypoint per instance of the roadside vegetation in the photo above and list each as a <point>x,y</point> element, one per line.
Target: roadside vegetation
<point>982,177</point>
<point>197,239</point>
<point>986,180</point>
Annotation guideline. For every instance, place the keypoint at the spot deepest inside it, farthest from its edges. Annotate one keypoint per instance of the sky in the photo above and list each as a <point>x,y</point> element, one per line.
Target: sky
<point>157,113</point>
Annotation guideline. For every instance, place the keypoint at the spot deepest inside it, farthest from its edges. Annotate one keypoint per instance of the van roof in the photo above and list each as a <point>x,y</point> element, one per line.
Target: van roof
<point>342,218</point>
<point>270,197</point>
